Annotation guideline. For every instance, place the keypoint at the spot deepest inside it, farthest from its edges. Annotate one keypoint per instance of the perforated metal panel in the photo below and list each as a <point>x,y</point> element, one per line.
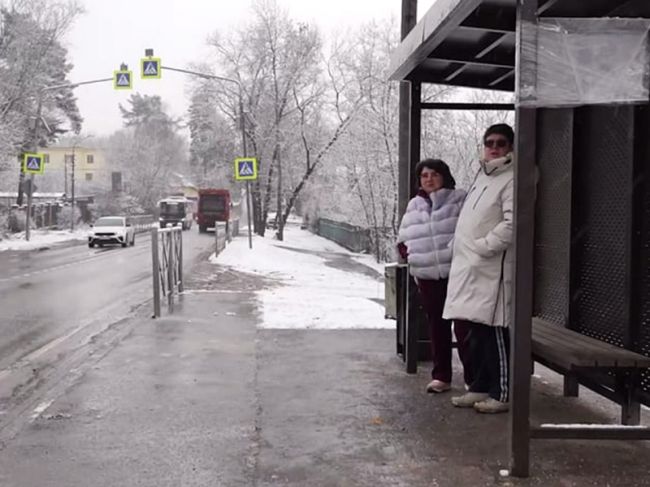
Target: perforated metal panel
<point>643,184</point>
<point>553,215</point>
<point>602,181</point>
<point>644,332</point>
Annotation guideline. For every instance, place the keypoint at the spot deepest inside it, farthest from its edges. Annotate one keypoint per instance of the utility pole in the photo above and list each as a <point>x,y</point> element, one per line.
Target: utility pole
<point>33,148</point>
<point>72,188</point>
<point>73,163</point>
<point>65,176</point>
<point>249,197</point>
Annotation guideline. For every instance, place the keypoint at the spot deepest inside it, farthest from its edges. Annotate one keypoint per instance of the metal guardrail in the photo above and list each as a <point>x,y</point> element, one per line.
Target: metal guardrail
<point>141,223</point>
<point>167,262</point>
<point>221,236</point>
<point>224,233</point>
<point>351,237</point>
<point>233,228</point>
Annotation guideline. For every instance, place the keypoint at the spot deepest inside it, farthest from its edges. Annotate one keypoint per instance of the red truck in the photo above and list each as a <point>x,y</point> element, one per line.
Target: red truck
<point>214,205</point>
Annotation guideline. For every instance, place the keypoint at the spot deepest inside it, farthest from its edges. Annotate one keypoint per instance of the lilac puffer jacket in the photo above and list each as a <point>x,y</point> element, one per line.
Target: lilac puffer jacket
<point>427,230</point>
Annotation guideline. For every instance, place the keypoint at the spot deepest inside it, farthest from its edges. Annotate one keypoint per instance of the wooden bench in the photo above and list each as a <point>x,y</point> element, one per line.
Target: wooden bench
<point>578,357</point>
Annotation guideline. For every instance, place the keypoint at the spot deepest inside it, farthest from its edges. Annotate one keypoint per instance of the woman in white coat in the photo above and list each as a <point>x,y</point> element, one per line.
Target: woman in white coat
<point>479,291</point>
<point>424,238</point>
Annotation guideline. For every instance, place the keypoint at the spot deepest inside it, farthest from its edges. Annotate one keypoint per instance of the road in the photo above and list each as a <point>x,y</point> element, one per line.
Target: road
<point>56,300</point>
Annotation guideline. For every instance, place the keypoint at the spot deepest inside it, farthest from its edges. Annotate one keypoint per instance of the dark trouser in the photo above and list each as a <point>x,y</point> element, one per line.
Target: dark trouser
<point>432,296</point>
<point>489,348</point>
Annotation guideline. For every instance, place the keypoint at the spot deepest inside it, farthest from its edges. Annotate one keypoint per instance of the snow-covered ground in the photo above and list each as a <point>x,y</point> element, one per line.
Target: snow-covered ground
<point>311,294</point>
<point>41,238</point>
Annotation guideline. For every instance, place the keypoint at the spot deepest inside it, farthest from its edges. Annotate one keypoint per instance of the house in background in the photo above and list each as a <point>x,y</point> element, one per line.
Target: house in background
<point>86,164</point>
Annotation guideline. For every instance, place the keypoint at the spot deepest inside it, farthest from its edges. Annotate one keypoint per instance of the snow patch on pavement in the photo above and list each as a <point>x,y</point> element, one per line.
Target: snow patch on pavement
<point>311,295</point>
<point>41,238</point>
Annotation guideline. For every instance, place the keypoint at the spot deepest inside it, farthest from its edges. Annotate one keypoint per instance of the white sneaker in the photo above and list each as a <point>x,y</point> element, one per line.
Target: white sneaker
<point>491,406</point>
<point>468,399</point>
<point>438,386</point>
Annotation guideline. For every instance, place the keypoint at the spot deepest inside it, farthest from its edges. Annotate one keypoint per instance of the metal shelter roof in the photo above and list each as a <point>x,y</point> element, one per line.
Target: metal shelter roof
<point>471,43</point>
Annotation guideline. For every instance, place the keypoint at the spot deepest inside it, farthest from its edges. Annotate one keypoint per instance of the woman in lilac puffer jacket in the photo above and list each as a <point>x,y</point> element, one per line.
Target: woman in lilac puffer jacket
<point>424,240</point>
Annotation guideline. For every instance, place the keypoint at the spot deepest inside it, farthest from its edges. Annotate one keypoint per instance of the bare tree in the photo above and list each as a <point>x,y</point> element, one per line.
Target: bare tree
<point>278,64</point>
<point>362,178</point>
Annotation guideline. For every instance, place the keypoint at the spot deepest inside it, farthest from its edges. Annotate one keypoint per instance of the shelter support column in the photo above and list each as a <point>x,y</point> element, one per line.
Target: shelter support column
<point>409,17</point>
<point>524,224</point>
<point>415,135</point>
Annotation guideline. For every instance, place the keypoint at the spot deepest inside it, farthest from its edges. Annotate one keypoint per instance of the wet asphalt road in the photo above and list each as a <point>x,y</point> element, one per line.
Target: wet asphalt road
<point>54,299</point>
<point>203,397</point>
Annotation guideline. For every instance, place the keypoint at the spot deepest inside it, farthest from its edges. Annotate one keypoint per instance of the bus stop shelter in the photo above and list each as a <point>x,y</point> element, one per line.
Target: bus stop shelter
<point>580,71</point>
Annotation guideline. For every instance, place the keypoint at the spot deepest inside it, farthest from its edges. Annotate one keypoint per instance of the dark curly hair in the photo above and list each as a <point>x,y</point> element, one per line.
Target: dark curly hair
<point>439,166</point>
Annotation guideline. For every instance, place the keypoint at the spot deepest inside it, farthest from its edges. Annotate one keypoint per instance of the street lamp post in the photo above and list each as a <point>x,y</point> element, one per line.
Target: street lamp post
<point>33,143</point>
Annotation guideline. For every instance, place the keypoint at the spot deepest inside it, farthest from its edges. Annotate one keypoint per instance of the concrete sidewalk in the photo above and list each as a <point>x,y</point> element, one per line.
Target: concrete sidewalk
<point>205,398</point>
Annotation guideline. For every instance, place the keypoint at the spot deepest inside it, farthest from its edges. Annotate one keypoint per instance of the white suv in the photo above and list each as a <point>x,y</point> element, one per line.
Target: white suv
<point>111,230</point>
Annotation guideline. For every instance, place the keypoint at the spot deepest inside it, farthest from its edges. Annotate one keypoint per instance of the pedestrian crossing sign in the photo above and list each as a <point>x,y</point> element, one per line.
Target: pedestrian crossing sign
<point>151,68</point>
<point>245,168</point>
<point>123,80</point>
<point>33,163</point>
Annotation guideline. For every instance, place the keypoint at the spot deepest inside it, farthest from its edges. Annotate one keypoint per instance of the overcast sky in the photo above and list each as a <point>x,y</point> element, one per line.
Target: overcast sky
<point>116,31</point>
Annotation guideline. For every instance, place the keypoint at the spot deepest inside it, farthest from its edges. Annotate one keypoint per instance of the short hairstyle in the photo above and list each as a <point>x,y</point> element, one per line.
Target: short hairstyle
<point>501,129</point>
<point>439,166</point>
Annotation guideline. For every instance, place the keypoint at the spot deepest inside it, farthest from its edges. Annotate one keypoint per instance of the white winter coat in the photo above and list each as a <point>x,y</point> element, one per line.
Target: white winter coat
<point>480,280</point>
<point>427,229</point>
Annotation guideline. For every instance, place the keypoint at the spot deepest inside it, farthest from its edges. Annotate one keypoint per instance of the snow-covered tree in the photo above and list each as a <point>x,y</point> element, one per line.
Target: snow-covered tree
<point>359,182</point>
<point>296,105</point>
<point>213,141</point>
<point>32,63</point>
<point>148,150</point>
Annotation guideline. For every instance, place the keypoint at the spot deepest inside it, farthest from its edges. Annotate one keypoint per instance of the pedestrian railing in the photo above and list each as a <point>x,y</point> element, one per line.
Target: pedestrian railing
<point>167,261</point>
<point>221,237</point>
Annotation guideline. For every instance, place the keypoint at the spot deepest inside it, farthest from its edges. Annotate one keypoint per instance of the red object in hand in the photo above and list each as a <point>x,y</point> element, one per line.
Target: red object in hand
<point>403,251</point>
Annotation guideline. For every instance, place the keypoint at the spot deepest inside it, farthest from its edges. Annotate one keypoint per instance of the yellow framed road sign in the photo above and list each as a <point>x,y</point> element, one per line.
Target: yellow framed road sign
<point>245,168</point>
<point>150,68</point>
<point>123,80</point>
<point>33,163</point>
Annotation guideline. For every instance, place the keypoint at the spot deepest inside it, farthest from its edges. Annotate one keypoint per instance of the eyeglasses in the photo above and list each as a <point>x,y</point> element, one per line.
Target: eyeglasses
<point>492,143</point>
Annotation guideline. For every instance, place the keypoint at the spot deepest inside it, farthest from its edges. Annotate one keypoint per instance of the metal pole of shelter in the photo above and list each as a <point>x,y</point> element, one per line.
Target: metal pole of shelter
<point>409,19</point>
<point>406,148</point>
<point>524,226</point>
<point>415,137</point>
